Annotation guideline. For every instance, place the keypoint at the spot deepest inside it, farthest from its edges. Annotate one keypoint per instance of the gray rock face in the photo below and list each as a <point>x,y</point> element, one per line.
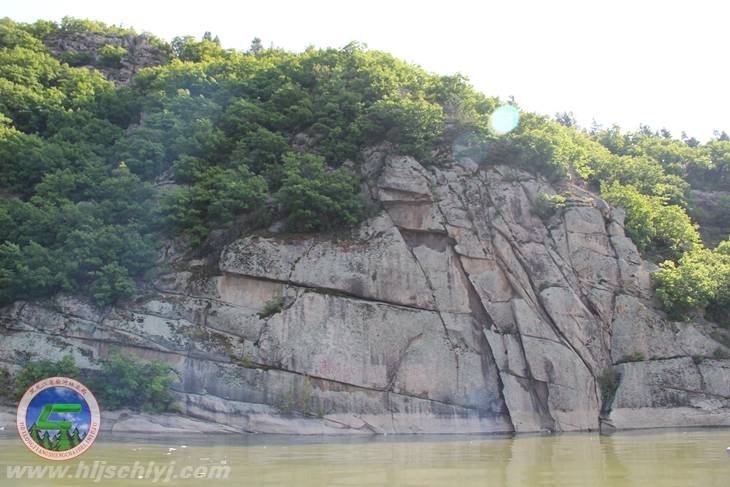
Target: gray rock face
<point>140,51</point>
<point>455,310</point>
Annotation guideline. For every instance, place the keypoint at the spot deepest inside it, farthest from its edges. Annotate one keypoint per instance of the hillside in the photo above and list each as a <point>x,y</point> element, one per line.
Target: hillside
<point>338,241</point>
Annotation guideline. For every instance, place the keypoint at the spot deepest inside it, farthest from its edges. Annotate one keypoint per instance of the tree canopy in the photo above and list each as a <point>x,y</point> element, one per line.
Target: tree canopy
<point>93,175</point>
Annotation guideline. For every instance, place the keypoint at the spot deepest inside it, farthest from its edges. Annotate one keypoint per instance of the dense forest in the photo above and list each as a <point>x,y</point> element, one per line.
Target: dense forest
<point>95,175</point>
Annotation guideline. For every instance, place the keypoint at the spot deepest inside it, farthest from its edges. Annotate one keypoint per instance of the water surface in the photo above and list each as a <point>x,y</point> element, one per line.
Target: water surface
<point>651,459</point>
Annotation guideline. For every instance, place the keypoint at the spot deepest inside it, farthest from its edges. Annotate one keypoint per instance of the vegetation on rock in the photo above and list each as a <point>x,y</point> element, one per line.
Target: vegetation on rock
<point>121,382</point>
<point>247,138</point>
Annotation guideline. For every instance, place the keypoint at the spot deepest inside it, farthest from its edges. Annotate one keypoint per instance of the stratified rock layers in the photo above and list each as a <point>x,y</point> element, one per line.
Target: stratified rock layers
<point>455,310</point>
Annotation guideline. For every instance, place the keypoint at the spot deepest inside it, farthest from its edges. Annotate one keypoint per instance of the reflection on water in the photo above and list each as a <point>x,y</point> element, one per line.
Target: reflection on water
<point>664,458</point>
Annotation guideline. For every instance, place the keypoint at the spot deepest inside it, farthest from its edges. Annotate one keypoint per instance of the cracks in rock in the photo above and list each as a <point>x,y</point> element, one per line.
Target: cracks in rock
<point>430,285</point>
<point>482,320</point>
<point>391,410</point>
<point>332,292</point>
<point>452,345</point>
<point>209,298</point>
<point>447,243</point>
<point>547,317</point>
<point>538,389</point>
<point>695,392</point>
<point>585,299</point>
<point>401,356</point>
<point>481,315</point>
<point>369,388</point>
<point>416,197</point>
<point>298,259</point>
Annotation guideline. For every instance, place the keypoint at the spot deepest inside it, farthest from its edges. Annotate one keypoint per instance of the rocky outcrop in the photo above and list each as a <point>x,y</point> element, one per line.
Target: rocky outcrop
<point>140,51</point>
<point>455,310</point>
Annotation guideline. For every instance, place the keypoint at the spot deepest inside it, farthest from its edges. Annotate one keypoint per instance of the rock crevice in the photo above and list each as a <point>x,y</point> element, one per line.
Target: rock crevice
<point>455,310</point>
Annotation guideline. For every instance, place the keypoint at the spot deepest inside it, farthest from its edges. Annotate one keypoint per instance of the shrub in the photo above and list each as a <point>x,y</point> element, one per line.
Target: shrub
<point>32,372</point>
<point>633,357</point>
<point>608,381</point>
<point>75,58</point>
<point>111,56</point>
<point>720,354</point>
<point>6,384</point>
<point>413,124</point>
<point>547,205</point>
<point>111,283</point>
<point>314,198</point>
<point>546,147</point>
<point>127,382</point>
<point>699,281</point>
<point>273,306</point>
<point>216,199</point>
<point>653,224</point>
<point>122,381</point>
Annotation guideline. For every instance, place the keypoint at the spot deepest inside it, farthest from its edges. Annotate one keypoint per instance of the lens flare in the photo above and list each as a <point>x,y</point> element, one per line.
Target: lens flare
<point>504,119</point>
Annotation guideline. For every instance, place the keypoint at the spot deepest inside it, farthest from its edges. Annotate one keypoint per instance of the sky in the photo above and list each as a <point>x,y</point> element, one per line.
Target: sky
<point>660,63</point>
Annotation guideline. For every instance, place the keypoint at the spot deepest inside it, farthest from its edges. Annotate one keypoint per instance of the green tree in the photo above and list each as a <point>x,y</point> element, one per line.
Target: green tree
<point>36,434</point>
<point>32,372</point>
<point>127,382</point>
<point>75,438</point>
<point>111,56</point>
<point>216,199</point>
<point>699,281</point>
<point>256,46</point>
<point>653,224</point>
<point>314,198</point>
<point>413,124</point>
<point>62,442</point>
<point>47,441</point>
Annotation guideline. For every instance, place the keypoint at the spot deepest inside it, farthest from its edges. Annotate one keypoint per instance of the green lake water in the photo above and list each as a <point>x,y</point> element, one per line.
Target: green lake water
<point>647,459</point>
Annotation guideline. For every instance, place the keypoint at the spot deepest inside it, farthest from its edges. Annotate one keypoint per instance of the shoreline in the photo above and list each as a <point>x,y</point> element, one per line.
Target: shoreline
<point>131,424</point>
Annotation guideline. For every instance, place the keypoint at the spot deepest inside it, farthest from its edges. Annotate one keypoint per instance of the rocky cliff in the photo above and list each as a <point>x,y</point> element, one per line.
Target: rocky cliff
<point>455,309</point>
<point>82,49</point>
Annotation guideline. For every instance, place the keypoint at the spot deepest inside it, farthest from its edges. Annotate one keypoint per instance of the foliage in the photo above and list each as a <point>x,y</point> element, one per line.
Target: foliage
<point>188,49</point>
<point>80,231</point>
<point>6,384</point>
<point>608,381</point>
<point>273,306</point>
<point>127,382</point>
<point>250,136</point>
<point>548,204</point>
<point>652,223</point>
<point>699,280</point>
<point>413,124</point>
<point>544,146</point>
<point>71,24</point>
<point>111,56</point>
<point>720,354</point>
<point>75,58</point>
<point>34,371</point>
<point>316,198</point>
<point>215,199</point>
<point>122,381</point>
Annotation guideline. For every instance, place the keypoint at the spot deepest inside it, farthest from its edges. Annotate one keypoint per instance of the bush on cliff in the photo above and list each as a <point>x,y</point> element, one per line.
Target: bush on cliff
<point>700,280</point>
<point>238,131</point>
<point>652,223</point>
<point>316,198</point>
<point>123,381</point>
